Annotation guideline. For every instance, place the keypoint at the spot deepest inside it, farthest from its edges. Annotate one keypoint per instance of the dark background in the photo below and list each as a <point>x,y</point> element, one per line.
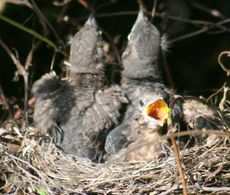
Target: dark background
<point>190,66</point>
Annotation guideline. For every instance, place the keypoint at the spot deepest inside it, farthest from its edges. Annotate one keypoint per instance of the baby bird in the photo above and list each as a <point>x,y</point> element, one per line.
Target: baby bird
<point>200,115</point>
<point>79,112</point>
<point>149,97</point>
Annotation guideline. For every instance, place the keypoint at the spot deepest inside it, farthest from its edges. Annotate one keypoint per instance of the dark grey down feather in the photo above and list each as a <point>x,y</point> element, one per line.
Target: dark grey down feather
<point>79,112</point>
<point>142,82</point>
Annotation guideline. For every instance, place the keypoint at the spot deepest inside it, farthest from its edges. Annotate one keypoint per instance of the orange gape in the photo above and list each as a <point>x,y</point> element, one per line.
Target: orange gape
<point>158,110</point>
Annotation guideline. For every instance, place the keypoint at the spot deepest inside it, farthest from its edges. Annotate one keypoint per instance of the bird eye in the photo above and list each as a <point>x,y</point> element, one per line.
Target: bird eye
<point>141,103</point>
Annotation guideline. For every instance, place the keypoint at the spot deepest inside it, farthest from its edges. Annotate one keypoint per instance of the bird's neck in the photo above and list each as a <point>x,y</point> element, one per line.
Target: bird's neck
<point>136,68</point>
<point>135,88</point>
<point>88,80</point>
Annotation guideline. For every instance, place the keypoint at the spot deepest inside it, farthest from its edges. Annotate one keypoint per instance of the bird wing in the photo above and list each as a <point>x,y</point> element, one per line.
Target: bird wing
<point>103,114</point>
<point>44,91</point>
<point>54,101</point>
<point>116,140</point>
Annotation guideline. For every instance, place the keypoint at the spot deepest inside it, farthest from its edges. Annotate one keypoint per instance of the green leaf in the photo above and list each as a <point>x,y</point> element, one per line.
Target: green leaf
<point>41,191</point>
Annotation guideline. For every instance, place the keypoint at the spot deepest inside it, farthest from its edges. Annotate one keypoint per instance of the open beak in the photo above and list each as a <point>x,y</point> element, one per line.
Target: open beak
<point>156,112</point>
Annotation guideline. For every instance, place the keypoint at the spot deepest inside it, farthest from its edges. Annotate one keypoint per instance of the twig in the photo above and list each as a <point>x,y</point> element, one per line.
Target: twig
<point>38,179</point>
<point>169,191</point>
<point>171,17</point>
<point>63,3</point>
<point>20,2</point>
<point>33,33</point>
<point>192,34</point>
<point>43,20</point>
<point>45,23</point>
<point>21,71</point>
<point>30,55</point>
<point>13,158</point>
<point>216,93</point>
<point>227,70</point>
<point>52,61</point>
<point>215,189</point>
<point>115,50</point>
<point>8,108</point>
<point>154,8</point>
<point>10,139</point>
<point>206,24</point>
<point>212,12</point>
<point>214,173</point>
<point>223,99</point>
<point>19,66</point>
<point>177,156</point>
<point>197,132</point>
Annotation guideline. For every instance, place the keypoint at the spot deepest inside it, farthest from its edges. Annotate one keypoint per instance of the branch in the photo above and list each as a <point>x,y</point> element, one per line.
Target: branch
<point>177,156</point>
<point>21,71</point>
<point>20,2</point>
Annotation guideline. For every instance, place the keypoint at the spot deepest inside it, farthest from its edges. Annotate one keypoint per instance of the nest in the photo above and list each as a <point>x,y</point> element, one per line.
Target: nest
<point>31,164</point>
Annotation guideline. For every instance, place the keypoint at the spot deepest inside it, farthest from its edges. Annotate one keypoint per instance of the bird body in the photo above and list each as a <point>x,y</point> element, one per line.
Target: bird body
<point>80,111</point>
<point>143,85</point>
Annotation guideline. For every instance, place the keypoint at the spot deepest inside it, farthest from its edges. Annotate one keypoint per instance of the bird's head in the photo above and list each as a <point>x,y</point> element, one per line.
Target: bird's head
<point>86,53</point>
<point>140,59</point>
